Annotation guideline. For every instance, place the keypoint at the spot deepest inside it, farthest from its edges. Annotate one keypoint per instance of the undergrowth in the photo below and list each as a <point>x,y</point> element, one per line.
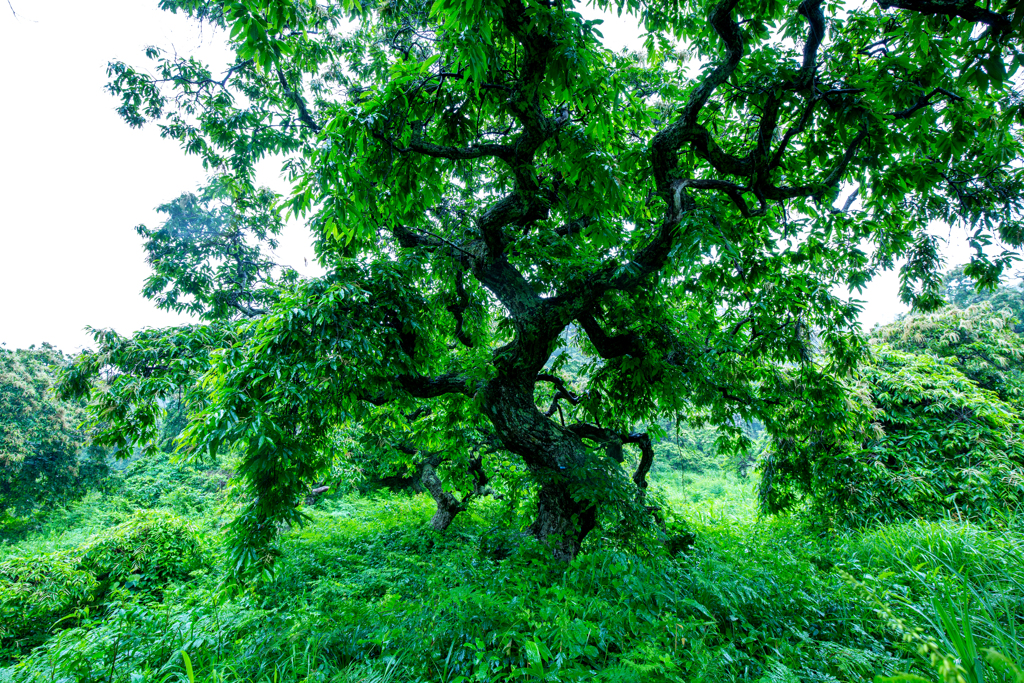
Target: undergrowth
<point>366,591</point>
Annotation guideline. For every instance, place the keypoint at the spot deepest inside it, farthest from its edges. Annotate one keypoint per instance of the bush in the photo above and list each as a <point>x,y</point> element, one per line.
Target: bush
<point>146,552</point>
<point>939,443</point>
<point>679,537</point>
<point>38,591</point>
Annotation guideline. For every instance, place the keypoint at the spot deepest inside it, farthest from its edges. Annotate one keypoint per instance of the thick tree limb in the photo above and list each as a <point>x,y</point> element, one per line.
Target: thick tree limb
<point>432,387</point>
<point>447,504</point>
<point>426,387</point>
<point>458,310</point>
<point>423,239</point>
<point>811,10</point>
<point>473,151</point>
<point>964,9</point>
<point>665,145</point>
<point>524,102</point>
<point>505,211</point>
<point>643,440</point>
<point>627,344</point>
<point>729,31</point>
<point>732,190</point>
<point>613,442</point>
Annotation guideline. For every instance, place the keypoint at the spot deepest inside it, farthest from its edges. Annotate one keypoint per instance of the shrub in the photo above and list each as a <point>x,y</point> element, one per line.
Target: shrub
<point>36,592</point>
<point>149,550</point>
<point>679,537</point>
<point>939,442</point>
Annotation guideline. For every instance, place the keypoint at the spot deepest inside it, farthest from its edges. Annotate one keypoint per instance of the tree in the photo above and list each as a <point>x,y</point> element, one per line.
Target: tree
<point>481,177</point>
<point>963,292</point>
<point>44,458</point>
<point>209,257</point>
<point>978,341</point>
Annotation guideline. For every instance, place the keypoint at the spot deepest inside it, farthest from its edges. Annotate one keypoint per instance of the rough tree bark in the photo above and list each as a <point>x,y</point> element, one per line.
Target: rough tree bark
<point>425,478</point>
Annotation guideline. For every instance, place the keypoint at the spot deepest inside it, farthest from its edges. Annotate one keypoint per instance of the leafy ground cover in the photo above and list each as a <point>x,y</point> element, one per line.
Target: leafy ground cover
<point>367,591</point>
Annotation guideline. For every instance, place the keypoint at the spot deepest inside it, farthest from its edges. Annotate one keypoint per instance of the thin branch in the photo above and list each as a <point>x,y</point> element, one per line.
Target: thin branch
<point>734,192</point>
<point>562,392</point>
<point>851,199</point>
<point>300,103</point>
<point>925,100</point>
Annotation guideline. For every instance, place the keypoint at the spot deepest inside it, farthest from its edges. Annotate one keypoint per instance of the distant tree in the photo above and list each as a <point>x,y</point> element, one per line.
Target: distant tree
<point>943,395</point>
<point>685,447</point>
<point>211,256</point>
<point>963,292</point>
<point>978,341</point>
<point>480,177</point>
<point>44,457</point>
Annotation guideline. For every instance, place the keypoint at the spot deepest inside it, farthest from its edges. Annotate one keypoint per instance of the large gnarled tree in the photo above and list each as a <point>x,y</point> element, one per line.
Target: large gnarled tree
<point>487,182</point>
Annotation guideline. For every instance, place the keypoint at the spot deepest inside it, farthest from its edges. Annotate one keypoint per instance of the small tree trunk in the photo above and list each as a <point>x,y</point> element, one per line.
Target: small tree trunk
<point>447,505</point>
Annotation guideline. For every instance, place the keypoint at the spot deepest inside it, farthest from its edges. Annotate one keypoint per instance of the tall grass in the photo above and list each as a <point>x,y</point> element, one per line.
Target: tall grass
<point>955,591</point>
<point>367,592</point>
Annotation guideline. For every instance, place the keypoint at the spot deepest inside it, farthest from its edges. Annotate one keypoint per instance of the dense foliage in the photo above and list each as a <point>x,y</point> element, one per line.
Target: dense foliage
<point>44,458</point>
<point>138,583</point>
<point>941,443</point>
<point>148,550</point>
<point>979,341</point>
<point>550,265</point>
<point>940,404</point>
<point>38,591</point>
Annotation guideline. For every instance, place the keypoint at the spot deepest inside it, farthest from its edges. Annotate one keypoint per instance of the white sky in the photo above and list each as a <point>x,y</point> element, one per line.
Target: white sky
<point>75,180</point>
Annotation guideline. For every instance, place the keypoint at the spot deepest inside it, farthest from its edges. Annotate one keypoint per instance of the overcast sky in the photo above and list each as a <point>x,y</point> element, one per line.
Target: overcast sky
<point>75,180</point>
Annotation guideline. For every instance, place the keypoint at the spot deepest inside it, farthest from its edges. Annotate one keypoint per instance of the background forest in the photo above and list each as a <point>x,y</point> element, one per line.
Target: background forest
<point>904,555</point>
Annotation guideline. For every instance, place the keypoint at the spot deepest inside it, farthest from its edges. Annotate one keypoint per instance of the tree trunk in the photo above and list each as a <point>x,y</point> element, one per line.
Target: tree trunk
<point>556,458</point>
<point>447,504</point>
<point>562,523</point>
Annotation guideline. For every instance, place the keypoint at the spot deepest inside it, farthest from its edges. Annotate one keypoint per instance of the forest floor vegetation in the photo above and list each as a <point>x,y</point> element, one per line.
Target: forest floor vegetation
<point>128,590</point>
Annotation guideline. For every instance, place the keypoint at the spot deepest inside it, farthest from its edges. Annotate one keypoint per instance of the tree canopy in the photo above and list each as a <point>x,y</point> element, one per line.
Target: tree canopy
<point>978,341</point>
<point>941,394</point>
<point>963,292</point>
<point>489,185</point>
